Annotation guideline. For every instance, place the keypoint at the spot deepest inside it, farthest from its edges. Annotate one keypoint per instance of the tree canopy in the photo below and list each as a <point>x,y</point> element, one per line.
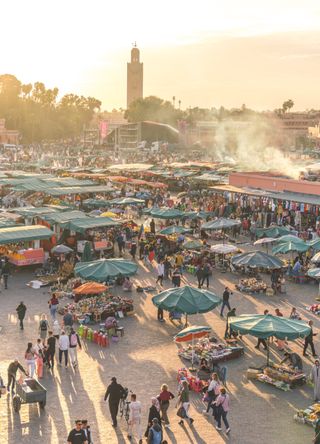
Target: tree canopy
<point>37,112</point>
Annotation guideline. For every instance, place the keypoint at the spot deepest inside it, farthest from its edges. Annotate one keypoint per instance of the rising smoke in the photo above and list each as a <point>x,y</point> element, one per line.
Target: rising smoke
<point>253,145</point>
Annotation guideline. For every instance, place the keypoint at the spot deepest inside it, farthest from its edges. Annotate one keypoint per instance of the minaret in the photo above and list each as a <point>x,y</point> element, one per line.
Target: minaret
<point>134,76</point>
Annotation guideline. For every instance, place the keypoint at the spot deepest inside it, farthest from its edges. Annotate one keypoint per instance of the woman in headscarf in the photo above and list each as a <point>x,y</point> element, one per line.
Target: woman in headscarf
<point>154,412</point>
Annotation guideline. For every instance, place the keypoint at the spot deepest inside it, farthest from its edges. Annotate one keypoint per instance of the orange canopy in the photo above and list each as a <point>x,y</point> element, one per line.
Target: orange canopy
<point>90,288</point>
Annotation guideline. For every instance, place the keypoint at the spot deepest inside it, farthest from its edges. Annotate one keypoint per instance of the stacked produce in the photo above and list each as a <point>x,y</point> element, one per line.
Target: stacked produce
<point>309,415</point>
<point>251,285</point>
<point>210,351</point>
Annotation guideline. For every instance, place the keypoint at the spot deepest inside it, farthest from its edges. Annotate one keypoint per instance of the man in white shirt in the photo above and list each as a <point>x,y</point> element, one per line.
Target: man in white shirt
<point>135,418</point>
<point>63,348</point>
<point>160,269</point>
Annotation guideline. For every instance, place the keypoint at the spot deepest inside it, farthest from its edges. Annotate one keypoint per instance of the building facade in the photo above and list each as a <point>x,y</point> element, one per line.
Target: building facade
<point>134,77</point>
<point>8,136</point>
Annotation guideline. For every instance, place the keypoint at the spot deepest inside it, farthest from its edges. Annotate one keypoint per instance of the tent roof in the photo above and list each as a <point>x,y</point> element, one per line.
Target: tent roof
<point>66,216</point>
<point>58,191</point>
<point>24,233</point>
<point>81,225</point>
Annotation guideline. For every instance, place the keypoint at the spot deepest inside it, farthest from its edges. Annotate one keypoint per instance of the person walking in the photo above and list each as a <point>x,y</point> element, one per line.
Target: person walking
<point>262,340</point>
<point>77,435</point>
<point>56,329</point>
<point>51,342</point>
<point>309,341</point>
<point>222,405</point>
<point>135,418</point>
<point>43,327</point>
<point>67,321</point>
<point>87,430</point>
<point>30,357</point>
<point>74,341</point>
<point>152,227</point>
<point>63,348</point>
<point>184,401</point>
<point>206,275</point>
<point>133,250</point>
<point>176,278</point>
<point>160,271</point>
<point>154,412</point>
<point>225,300</point>
<point>21,312</point>
<point>114,392</point>
<point>212,393</point>
<point>200,275</point>
<point>12,374</point>
<point>315,378</point>
<point>39,349</point>
<point>167,268</point>
<point>164,398</point>
<point>155,434</point>
<point>53,306</point>
<point>6,272</point>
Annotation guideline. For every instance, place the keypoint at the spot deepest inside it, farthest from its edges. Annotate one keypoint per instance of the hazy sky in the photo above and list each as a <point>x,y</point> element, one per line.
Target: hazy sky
<point>206,53</point>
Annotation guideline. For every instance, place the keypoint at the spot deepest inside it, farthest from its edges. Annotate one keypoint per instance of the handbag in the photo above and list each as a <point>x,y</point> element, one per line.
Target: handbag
<point>181,412</point>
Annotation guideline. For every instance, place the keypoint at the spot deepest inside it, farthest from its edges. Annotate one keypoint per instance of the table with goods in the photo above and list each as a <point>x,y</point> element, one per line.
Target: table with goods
<point>279,376</point>
<point>213,352</point>
<point>309,415</point>
<point>251,285</point>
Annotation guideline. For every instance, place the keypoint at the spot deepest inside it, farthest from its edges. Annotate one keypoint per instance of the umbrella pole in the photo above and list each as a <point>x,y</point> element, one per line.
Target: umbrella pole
<point>268,352</point>
<point>192,369</point>
<point>186,324</point>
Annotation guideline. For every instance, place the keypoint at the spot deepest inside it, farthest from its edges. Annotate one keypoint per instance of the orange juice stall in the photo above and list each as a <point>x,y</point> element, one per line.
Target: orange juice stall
<point>22,244</point>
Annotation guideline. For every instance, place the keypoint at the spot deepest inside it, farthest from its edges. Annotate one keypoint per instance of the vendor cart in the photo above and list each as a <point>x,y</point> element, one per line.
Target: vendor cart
<point>28,392</point>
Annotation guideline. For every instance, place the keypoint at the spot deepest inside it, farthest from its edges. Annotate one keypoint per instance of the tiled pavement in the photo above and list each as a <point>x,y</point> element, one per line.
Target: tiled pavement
<point>143,359</point>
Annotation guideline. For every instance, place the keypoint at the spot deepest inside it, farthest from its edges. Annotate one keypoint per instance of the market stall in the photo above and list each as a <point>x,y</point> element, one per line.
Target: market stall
<point>278,376</point>
<point>309,415</point>
<point>251,285</point>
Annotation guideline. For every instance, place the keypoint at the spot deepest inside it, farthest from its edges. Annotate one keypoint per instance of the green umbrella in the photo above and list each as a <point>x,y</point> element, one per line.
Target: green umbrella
<point>192,245</point>
<point>286,247</point>
<point>166,213</point>
<point>314,244</point>
<point>87,254</point>
<point>220,224</point>
<point>257,259</point>
<point>274,231</point>
<point>187,299</point>
<point>103,269</point>
<point>197,215</point>
<point>290,238</point>
<point>174,229</point>
<point>266,326</point>
<point>127,201</point>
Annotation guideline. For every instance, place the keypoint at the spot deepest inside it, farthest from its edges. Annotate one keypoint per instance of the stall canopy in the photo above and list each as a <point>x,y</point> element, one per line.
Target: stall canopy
<point>271,231</point>
<point>90,288</point>
<point>266,326</point>
<point>35,212</point>
<point>314,244</point>
<point>192,245</point>
<point>290,238</point>
<point>224,248</point>
<point>24,233</point>
<point>256,259</point>
<point>197,214</point>
<point>127,201</point>
<point>61,249</point>
<point>190,333</point>
<point>287,247</point>
<point>187,299</point>
<point>87,223</point>
<point>220,224</point>
<point>97,203</point>
<point>104,269</point>
<point>60,218</point>
<point>60,191</point>
<point>166,213</point>
<point>173,229</point>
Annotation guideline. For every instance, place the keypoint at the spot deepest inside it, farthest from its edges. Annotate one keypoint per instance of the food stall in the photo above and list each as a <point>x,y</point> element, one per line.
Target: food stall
<point>212,352</point>
<point>279,376</point>
<point>308,416</point>
<point>251,285</point>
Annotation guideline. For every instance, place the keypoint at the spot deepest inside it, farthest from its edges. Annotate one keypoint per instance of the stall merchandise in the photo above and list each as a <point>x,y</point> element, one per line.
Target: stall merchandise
<point>97,308</point>
<point>315,308</point>
<point>251,285</point>
<point>281,377</point>
<point>309,415</point>
<point>212,352</point>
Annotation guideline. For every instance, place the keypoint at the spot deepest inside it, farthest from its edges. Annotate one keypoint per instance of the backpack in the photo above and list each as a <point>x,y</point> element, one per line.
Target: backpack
<point>43,325</point>
<point>73,340</point>
<point>156,436</point>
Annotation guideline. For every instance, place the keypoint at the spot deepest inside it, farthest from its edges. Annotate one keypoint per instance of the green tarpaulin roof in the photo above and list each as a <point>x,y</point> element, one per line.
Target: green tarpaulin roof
<point>65,217</point>
<point>59,191</point>
<point>27,212</point>
<point>25,233</point>
<point>103,269</point>
<point>81,225</point>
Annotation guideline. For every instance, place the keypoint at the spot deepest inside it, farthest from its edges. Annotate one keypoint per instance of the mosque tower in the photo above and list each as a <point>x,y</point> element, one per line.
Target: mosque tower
<point>134,76</point>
